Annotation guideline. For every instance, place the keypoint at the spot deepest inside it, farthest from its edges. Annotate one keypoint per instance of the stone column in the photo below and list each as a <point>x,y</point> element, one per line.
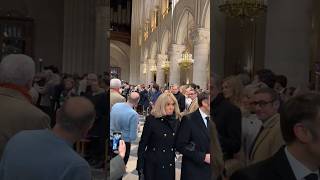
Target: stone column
<point>79,36</point>
<point>100,60</point>
<point>160,71</point>
<point>288,36</point>
<point>149,73</point>
<point>175,53</point>
<point>201,38</point>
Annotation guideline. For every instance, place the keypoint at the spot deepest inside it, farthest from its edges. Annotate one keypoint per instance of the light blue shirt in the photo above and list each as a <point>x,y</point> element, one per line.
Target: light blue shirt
<point>204,115</point>
<point>125,120</point>
<point>300,171</point>
<point>41,155</point>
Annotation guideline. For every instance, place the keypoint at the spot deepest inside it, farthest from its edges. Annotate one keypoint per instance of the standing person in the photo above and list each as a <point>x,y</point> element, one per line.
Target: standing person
<point>227,118</point>
<point>48,154</point>
<point>155,93</point>
<point>144,100</point>
<point>115,96</point>
<point>179,96</point>
<point>124,119</point>
<point>269,139</point>
<point>299,159</point>
<point>193,142</point>
<point>98,132</point>
<point>156,152</point>
<point>16,109</point>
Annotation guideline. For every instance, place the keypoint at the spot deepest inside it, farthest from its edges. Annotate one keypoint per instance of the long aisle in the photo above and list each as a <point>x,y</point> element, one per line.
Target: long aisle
<point>132,174</point>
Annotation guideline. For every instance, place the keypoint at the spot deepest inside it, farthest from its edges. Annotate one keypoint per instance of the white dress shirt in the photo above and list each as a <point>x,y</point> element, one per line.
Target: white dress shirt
<point>300,171</point>
<point>204,115</point>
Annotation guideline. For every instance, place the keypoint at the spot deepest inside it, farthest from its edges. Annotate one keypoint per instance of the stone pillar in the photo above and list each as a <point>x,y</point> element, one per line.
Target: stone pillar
<point>175,53</point>
<point>79,36</point>
<point>288,36</point>
<point>201,38</point>
<point>100,60</point>
<point>160,71</point>
<point>149,73</point>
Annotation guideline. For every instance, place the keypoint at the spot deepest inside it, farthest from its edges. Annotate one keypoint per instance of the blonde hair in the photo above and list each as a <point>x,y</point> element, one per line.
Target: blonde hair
<point>236,88</point>
<point>160,105</point>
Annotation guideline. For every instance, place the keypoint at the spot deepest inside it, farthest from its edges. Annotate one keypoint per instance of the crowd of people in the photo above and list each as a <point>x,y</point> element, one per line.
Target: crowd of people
<point>241,130</point>
<point>44,115</point>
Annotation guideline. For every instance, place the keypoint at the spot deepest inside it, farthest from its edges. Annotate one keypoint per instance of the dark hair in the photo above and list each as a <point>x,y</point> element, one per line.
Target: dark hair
<point>274,95</point>
<point>156,87</point>
<point>302,108</point>
<point>266,76</point>
<point>194,86</point>
<point>282,80</point>
<point>203,96</point>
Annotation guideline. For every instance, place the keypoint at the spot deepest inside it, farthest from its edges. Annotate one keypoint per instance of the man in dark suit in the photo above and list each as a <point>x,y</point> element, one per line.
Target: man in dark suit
<point>179,96</point>
<point>228,121</point>
<point>193,141</point>
<point>300,158</point>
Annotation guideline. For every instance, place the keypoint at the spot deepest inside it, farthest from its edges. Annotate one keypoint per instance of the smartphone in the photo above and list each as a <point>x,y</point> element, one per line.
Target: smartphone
<point>116,141</point>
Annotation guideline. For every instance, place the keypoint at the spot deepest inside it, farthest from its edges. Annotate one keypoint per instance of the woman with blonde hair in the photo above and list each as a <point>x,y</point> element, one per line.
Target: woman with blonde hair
<point>232,90</point>
<point>156,152</point>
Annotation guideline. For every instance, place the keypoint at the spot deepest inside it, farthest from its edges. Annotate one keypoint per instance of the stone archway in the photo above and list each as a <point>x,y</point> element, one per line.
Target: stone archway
<point>120,57</point>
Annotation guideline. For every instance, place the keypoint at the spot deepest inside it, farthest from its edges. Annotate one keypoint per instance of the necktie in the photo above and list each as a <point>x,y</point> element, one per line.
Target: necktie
<point>208,119</point>
<point>311,176</point>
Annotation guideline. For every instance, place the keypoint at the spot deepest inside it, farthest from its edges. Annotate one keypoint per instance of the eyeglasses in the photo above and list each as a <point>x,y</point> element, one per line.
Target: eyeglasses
<point>261,103</point>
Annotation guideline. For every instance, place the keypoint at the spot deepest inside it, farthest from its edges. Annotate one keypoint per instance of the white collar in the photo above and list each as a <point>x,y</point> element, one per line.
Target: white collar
<point>300,171</point>
<point>203,115</point>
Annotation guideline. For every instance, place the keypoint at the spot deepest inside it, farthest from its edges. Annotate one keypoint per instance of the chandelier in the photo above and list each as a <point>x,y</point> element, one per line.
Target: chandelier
<point>243,8</point>
<point>153,69</point>
<point>186,60</point>
<point>165,65</point>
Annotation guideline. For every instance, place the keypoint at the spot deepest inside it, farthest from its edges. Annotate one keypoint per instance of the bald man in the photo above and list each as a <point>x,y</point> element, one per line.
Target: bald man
<point>48,154</point>
<point>124,119</point>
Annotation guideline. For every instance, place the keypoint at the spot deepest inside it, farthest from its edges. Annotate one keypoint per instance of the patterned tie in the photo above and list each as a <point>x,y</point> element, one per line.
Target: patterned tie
<point>311,176</point>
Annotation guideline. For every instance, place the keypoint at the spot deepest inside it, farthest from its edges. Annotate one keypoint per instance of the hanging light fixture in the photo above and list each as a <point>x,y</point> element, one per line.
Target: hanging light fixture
<point>186,60</point>
<point>165,66</point>
<point>153,68</point>
<point>245,9</point>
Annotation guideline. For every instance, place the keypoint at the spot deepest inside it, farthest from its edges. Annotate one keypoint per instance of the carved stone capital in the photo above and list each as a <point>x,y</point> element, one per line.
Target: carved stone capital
<point>200,36</point>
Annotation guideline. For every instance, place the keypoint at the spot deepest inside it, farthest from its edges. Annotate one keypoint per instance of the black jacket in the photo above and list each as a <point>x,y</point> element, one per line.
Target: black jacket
<point>156,152</point>
<point>275,168</point>
<point>193,141</point>
<point>181,101</point>
<point>228,121</point>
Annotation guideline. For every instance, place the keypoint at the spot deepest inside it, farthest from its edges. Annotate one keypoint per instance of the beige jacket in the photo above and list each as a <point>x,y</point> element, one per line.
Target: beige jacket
<point>115,97</point>
<point>268,141</point>
<point>17,114</point>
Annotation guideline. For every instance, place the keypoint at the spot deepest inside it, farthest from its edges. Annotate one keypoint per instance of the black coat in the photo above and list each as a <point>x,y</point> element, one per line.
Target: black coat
<point>181,101</point>
<point>275,168</point>
<point>228,121</point>
<point>193,141</point>
<point>156,152</point>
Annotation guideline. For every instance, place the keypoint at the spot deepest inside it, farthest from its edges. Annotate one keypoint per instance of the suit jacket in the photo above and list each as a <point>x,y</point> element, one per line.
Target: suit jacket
<point>275,168</point>
<point>228,121</point>
<point>268,142</point>
<point>193,141</point>
<point>18,114</point>
<point>181,101</point>
<point>115,97</point>
<point>117,168</point>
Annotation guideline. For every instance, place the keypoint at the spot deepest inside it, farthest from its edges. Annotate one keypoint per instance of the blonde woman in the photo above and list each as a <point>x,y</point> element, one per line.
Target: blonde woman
<point>156,152</point>
<point>232,90</point>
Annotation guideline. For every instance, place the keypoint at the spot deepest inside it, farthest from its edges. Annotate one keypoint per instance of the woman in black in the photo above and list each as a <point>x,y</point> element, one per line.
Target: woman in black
<point>156,152</point>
